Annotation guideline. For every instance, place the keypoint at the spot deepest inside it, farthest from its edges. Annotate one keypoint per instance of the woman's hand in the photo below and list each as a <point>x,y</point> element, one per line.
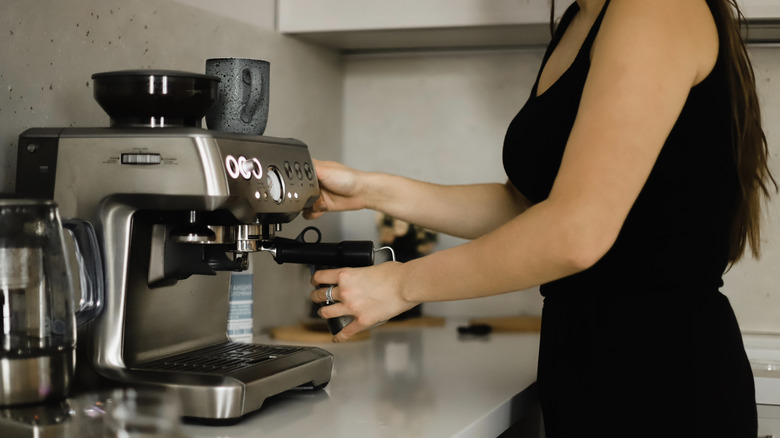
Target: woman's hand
<point>340,189</point>
<point>371,295</point>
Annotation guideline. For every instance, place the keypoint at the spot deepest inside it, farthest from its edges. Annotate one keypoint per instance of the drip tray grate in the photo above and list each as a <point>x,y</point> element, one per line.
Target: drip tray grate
<point>221,359</point>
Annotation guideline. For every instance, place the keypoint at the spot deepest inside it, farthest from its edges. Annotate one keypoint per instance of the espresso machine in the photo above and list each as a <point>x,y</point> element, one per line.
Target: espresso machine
<point>175,210</point>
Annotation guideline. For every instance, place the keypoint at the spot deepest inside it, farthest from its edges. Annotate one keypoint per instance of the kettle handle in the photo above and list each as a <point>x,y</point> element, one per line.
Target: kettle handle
<point>90,268</point>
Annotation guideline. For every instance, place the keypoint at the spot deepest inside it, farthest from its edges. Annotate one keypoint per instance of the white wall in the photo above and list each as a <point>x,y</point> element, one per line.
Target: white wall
<point>49,49</point>
<point>753,286</point>
<point>442,117</point>
<point>439,117</point>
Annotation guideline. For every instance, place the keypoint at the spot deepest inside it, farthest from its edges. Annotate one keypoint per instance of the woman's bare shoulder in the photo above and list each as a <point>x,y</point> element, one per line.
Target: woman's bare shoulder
<point>684,29</point>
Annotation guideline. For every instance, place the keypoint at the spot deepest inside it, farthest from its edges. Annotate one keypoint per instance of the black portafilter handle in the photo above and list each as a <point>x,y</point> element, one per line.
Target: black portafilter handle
<point>345,254</point>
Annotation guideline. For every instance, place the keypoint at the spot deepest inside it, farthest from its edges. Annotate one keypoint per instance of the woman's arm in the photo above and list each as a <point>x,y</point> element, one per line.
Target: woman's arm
<point>466,211</point>
<point>646,58</point>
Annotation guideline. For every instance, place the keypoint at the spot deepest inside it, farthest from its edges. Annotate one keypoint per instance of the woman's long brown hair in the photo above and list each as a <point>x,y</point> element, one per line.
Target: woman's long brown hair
<point>751,151</point>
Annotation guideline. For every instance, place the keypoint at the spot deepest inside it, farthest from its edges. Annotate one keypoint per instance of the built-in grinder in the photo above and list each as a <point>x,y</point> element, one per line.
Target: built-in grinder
<point>174,210</point>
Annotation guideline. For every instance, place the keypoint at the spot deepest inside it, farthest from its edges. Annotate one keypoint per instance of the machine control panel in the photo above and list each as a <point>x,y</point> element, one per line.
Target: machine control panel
<point>277,176</point>
<point>274,181</point>
<point>257,178</point>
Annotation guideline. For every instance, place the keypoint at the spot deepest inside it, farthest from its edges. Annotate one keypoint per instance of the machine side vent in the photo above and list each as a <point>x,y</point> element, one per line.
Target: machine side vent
<point>220,359</point>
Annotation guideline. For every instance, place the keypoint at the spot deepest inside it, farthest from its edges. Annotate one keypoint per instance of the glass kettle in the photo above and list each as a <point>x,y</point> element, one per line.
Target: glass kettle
<point>38,296</point>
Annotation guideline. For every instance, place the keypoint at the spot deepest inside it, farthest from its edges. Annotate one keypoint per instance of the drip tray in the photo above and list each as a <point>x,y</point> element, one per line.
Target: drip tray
<point>222,359</point>
<point>229,380</point>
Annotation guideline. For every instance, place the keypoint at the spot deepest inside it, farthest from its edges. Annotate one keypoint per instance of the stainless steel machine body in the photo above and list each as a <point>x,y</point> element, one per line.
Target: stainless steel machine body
<point>168,204</point>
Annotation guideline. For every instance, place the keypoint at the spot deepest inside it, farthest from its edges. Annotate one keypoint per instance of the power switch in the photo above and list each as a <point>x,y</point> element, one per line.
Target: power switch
<point>141,159</point>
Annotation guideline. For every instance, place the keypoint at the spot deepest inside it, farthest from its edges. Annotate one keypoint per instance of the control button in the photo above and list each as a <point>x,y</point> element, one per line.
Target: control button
<point>309,171</point>
<point>288,169</point>
<point>298,171</point>
<point>245,167</point>
<point>257,168</point>
<point>141,159</point>
<point>231,164</point>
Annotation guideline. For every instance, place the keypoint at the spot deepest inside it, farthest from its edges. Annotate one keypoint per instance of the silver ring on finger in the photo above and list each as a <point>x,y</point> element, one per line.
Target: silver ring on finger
<point>329,294</point>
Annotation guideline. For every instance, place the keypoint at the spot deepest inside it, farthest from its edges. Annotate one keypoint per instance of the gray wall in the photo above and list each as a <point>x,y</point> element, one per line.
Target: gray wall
<point>442,116</point>
<point>50,48</point>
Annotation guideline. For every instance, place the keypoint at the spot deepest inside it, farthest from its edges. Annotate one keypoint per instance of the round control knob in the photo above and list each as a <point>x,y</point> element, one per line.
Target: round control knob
<point>275,184</point>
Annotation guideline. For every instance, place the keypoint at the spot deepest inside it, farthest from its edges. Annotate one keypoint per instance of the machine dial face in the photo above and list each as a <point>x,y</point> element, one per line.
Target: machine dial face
<point>275,184</point>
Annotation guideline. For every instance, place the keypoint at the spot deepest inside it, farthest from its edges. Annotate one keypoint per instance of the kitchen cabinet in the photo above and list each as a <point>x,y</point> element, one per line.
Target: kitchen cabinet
<point>760,9</point>
<point>763,20</point>
<point>410,24</point>
<point>370,25</point>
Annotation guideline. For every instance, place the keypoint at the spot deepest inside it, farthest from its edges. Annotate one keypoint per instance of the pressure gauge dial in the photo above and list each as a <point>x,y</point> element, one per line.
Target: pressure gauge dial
<point>275,184</point>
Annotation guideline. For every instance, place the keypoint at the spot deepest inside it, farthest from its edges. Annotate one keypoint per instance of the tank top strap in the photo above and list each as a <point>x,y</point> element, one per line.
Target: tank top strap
<point>594,30</point>
<point>566,19</point>
<point>560,29</point>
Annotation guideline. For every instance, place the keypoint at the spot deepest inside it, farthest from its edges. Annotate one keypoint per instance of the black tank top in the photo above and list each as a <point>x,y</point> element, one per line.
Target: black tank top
<point>676,235</point>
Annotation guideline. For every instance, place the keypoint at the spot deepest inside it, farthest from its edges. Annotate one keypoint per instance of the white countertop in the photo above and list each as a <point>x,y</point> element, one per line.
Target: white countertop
<point>404,382</point>
<point>428,382</point>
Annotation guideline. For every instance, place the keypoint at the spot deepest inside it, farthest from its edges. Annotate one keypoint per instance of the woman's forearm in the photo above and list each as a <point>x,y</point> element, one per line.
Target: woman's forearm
<point>466,211</point>
<point>539,246</point>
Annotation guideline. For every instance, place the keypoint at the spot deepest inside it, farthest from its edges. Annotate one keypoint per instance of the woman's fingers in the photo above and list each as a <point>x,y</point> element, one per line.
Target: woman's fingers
<point>326,276</point>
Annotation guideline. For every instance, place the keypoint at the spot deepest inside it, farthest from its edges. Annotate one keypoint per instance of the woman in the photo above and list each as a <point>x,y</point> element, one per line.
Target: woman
<point>636,171</point>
